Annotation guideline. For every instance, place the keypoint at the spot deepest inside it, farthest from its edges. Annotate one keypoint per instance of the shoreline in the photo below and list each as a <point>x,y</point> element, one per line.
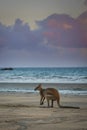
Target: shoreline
<point>44,84</point>
<point>64,89</point>
<point>41,83</point>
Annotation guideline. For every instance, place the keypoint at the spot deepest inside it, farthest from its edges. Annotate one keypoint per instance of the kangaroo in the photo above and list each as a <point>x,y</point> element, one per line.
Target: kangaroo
<point>50,94</point>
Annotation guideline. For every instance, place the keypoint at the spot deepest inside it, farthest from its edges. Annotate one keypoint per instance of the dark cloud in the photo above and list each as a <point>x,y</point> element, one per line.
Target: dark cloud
<point>59,35</point>
<point>83,16</point>
<point>3,35</point>
<point>17,36</point>
<point>65,31</point>
<point>54,31</point>
<point>85,2</point>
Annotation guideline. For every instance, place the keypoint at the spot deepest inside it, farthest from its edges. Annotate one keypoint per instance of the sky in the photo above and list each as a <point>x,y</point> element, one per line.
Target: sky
<point>43,33</point>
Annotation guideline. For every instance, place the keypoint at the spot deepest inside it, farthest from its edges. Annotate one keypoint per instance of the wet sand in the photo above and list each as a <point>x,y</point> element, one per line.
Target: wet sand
<point>21,111</point>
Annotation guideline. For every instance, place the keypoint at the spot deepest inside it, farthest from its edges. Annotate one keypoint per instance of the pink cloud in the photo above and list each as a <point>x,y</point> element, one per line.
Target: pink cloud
<point>67,26</point>
<point>55,24</point>
<point>50,35</point>
<point>65,30</point>
<point>60,39</point>
<point>60,30</point>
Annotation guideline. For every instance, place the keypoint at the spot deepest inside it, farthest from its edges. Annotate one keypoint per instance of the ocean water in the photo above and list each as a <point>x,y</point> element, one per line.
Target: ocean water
<point>17,80</point>
<point>44,75</point>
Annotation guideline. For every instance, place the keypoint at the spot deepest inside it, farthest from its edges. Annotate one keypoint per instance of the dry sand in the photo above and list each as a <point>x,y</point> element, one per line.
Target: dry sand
<point>19,111</point>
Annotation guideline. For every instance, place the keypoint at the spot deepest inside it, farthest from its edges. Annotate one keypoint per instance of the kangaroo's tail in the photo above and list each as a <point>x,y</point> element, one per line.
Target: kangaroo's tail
<point>67,106</point>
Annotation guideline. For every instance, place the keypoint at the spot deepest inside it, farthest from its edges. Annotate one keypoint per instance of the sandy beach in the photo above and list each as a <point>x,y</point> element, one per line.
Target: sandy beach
<point>21,111</point>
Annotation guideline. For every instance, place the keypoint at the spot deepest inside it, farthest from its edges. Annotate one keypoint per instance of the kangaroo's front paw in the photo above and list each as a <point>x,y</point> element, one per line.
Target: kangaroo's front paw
<point>41,103</point>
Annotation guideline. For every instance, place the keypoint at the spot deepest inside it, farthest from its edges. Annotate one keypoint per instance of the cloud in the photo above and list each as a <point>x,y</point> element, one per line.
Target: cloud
<point>85,2</point>
<point>65,31</point>
<point>57,38</point>
<point>17,36</point>
<point>57,30</point>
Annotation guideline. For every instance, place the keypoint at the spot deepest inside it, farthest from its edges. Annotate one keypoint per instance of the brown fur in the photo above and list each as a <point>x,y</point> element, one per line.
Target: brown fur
<point>50,94</point>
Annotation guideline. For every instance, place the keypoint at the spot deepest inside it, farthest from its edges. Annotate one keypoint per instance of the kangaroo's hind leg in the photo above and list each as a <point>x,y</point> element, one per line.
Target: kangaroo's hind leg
<point>51,103</point>
<point>48,102</point>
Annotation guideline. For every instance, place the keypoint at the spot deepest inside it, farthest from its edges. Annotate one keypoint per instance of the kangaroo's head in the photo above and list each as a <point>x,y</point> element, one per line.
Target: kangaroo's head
<point>39,88</point>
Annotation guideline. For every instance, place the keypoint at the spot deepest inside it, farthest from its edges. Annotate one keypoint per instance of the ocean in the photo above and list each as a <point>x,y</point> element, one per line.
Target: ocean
<point>17,80</point>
